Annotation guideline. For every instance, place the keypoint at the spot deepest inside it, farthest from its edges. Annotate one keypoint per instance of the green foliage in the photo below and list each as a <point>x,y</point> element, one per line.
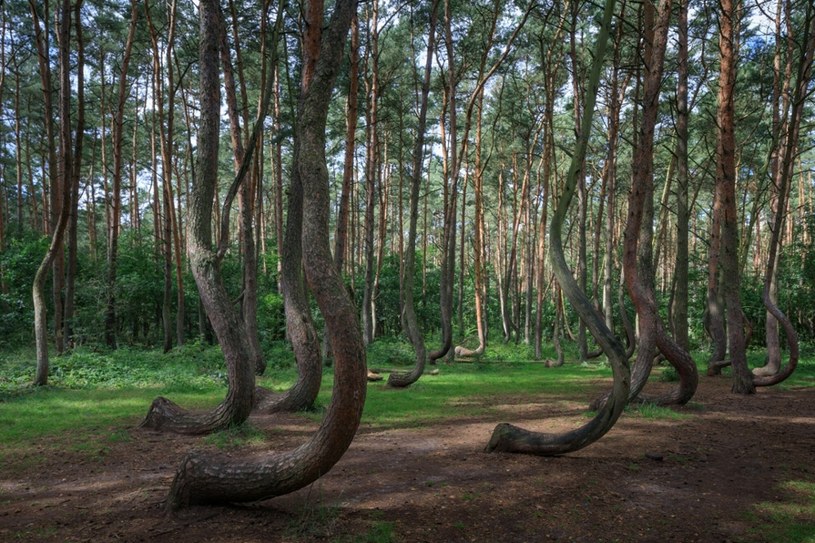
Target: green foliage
<point>271,319</point>
<point>193,367</point>
<point>19,261</point>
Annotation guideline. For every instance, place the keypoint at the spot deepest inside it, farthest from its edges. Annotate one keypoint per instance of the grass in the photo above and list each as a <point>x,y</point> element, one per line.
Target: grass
<point>652,411</point>
<point>460,390</point>
<point>94,396</point>
<point>92,392</point>
<point>236,436</point>
<point>791,520</point>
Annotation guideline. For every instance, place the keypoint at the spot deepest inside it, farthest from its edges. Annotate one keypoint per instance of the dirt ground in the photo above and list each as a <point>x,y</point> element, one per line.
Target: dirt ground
<point>701,478</point>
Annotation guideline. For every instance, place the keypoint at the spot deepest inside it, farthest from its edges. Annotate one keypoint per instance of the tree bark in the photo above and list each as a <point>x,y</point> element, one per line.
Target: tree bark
<point>203,478</point>
<point>509,438</point>
<point>64,178</point>
<point>549,81</point>
<point>205,262</point>
<point>71,272</point>
<point>448,248</point>
<point>246,207</point>
<point>680,305</point>
<point>51,209</point>
<point>726,192</point>
<point>804,76</point>
<point>637,261</point>
<point>371,171</point>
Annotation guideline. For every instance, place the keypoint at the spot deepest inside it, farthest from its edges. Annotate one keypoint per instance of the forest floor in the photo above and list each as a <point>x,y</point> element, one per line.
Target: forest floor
<point>725,468</point>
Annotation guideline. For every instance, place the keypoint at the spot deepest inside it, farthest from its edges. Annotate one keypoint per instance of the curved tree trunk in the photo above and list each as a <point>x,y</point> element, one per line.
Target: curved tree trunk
<point>203,478</point>
<point>804,76</point>
<point>509,438</point>
<point>299,325</point>
<point>205,262</point>
<point>410,323</point>
<point>637,256</point>
<point>448,252</point>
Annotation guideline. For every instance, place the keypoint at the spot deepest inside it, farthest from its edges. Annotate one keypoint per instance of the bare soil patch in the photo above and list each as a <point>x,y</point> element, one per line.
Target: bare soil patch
<point>649,480</point>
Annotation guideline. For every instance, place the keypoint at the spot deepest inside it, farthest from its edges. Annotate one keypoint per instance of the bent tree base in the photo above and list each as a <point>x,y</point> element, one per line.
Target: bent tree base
<point>510,438</point>
<point>210,478</point>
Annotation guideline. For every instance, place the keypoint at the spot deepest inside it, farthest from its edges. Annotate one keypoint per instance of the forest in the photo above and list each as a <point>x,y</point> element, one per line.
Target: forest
<point>244,242</point>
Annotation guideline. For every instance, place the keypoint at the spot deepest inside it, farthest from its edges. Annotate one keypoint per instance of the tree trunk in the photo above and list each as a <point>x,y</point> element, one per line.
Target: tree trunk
<point>448,247</point>
<point>246,207</point>
<point>637,258</point>
<point>203,478</point>
<point>549,81</point>
<point>680,305</point>
<point>205,263</point>
<point>71,272</point>
<point>726,192</point>
<point>64,178</point>
<point>582,197</point>
<point>509,438</point>
<point>51,209</point>
<point>410,323</point>
<point>166,142</point>
<point>479,271</point>
<point>371,170</point>
<point>351,112</point>
<point>111,322</point>
<point>804,76</point>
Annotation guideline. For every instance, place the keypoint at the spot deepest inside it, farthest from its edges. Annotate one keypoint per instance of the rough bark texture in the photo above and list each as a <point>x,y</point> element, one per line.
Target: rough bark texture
<point>726,192</point>
<point>299,326</point>
<point>246,202</point>
<point>205,479</point>
<point>205,264</point>
<point>76,165</point>
<point>637,256</point>
<point>509,438</point>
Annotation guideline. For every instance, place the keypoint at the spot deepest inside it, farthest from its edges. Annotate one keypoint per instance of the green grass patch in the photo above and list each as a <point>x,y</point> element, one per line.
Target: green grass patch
<point>236,436</point>
<point>791,520</point>
<point>381,531</point>
<point>652,411</point>
<point>466,390</point>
